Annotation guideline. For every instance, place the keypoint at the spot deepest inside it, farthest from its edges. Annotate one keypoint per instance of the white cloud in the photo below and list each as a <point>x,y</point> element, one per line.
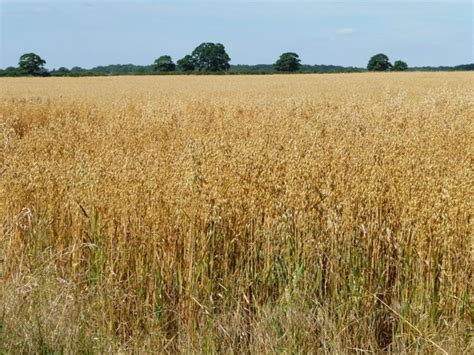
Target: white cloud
<point>345,31</point>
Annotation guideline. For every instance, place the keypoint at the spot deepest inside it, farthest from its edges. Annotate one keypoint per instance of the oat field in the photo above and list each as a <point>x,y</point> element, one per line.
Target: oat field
<point>241,214</point>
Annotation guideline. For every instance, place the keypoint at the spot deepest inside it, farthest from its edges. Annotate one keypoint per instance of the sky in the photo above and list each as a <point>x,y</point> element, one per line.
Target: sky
<point>89,33</point>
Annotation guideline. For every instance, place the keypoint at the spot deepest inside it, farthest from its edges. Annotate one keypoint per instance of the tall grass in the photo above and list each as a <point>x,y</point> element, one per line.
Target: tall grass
<point>243,214</point>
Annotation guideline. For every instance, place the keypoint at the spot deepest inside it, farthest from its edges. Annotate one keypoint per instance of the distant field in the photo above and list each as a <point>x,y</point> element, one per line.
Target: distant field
<point>262,214</point>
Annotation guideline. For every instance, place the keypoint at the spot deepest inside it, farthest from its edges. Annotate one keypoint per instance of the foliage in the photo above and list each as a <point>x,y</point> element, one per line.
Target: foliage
<point>32,64</point>
<point>62,71</point>
<point>214,59</point>
<point>211,57</point>
<point>164,64</point>
<point>77,70</point>
<point>296,214</point>
<point>400,65</point>
<point>10,71</point>
<point>465,67</point>
<point>379,62</point>
<point>288,62</point>
<point>186,64</point>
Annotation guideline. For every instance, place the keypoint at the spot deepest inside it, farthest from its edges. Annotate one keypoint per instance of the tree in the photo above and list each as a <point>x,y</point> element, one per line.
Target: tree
<point>288,62</point>
<point>379,62</point>
<point>211,57</point>
<point>164,64</point>
<point>32,64</point>
<point>186,63</point>
<point>11,71</point>
<point>62,71</point>
<point>77,70</point>
<point>400,65</point>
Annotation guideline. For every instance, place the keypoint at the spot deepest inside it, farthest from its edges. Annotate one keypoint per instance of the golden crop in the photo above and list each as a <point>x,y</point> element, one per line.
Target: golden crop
<point>302,213</point>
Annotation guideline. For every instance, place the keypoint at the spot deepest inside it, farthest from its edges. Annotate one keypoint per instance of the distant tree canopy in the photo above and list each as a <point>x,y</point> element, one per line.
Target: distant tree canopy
<point>186,63</point>
<point>288,62</point>
<point>77,69</point>
<point>12,71</point>
<point>62,71</point>
<point>31,64</point>
<point>211,57</point>
<point>379,62</point>
<point>164,64</point>
<point>400,65</point>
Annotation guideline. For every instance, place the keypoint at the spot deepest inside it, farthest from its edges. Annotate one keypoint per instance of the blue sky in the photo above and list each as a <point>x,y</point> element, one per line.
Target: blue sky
<point>90,33</point>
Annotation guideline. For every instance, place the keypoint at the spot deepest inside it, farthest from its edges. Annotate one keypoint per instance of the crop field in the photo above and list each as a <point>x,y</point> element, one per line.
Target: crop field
<point>258,214</point>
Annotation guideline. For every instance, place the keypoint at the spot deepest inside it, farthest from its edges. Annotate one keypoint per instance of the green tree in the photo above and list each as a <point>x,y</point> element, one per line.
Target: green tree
<point>288,62</point>
<point>11,71</point>
<point>211,57</point>
<point>77,70</point>
<point>32,64</point>
<point>164,64</point>
<point>400,65</point>
<point>186,63</point>
<point>62,71</point>
<point>379,62</point>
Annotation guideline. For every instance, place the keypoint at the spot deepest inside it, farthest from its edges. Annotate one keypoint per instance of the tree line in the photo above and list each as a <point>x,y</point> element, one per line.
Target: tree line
<point>210,58</point>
